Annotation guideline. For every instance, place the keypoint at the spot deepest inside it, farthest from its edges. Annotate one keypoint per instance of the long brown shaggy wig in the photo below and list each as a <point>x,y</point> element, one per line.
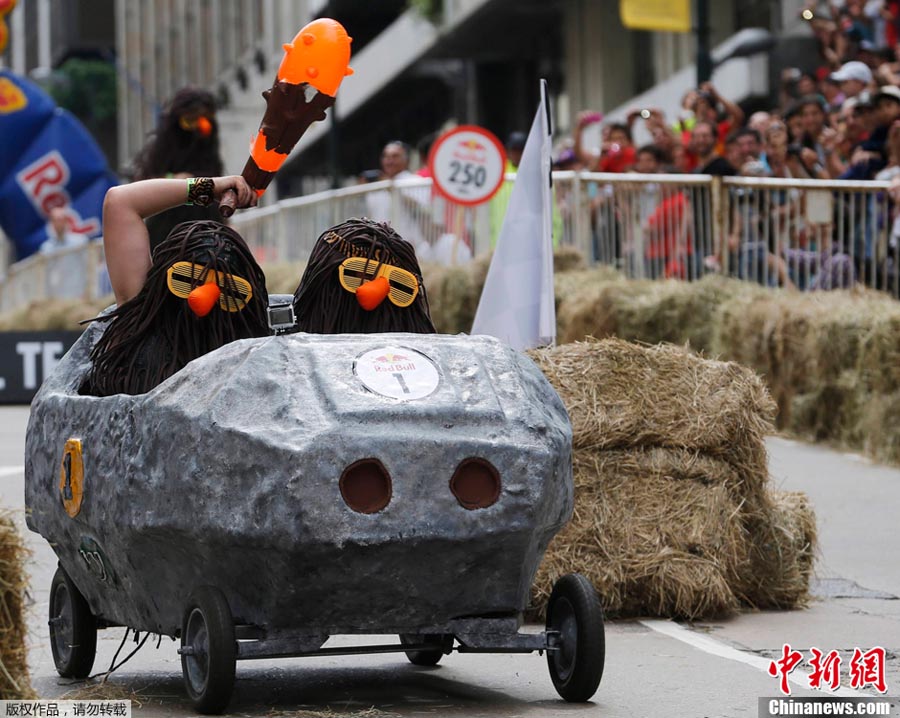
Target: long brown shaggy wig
<point>323,306</point>
<point>171,149</point>
<point>155,334</point>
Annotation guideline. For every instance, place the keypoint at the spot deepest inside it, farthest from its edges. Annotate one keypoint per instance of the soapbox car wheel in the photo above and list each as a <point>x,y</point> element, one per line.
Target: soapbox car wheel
<point>208,650</point>
<point>73,628</point>
<point>575,616</point>
<point>423,658</point>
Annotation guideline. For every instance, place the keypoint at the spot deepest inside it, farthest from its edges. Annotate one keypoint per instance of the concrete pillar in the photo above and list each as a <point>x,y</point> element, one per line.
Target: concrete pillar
<point>44,29</point>
<point>148,67</point>
<point>270,40</point>
<point>599,67</point>
<point>214,34</point>
<point>123,116</point>
<point>17,36</point>
<point>163,49</point>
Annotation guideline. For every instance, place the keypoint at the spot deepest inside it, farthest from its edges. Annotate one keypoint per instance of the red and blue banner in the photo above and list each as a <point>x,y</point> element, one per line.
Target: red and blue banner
<point>48,160</point>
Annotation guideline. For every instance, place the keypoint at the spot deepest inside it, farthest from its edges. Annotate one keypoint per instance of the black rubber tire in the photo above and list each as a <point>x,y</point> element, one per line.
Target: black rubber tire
<point>73,628</point>
<point>208,628</point>
<point>422,658</point>
<point>574,610</point>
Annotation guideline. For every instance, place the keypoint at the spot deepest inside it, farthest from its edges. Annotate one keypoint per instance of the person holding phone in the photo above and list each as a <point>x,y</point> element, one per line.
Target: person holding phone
<point>616,152</point>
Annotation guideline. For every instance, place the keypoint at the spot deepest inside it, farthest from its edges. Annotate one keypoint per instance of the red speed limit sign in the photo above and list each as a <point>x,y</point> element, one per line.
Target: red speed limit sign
<point>467,164</point>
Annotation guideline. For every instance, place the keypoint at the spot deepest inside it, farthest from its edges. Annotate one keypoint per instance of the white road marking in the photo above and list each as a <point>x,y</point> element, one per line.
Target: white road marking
<point>710,645</point>
<point>11,470</point>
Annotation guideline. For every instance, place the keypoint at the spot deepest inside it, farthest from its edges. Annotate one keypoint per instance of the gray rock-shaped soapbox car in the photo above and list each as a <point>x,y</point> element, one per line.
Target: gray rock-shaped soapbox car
<point>281,490</point>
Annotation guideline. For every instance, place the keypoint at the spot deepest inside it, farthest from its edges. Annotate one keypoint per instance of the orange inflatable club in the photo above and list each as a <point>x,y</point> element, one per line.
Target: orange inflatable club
<point>6,7</point>
<point>315,63</point>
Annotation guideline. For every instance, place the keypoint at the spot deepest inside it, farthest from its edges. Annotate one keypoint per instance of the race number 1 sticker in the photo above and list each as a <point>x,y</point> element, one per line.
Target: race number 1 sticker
<point>397,372</point>
<point>467,164</point>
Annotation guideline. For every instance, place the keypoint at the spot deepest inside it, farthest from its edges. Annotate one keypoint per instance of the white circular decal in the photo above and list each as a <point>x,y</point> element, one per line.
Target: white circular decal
<point>397,372</point>
<point>467,164</point>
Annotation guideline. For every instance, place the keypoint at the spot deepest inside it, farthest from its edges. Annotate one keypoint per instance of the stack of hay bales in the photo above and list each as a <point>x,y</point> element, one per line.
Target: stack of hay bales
<point>14,681</point>
<point>673,513</point>
<point>831,359</point>
<point>650,311</point>
<point>453,292</point>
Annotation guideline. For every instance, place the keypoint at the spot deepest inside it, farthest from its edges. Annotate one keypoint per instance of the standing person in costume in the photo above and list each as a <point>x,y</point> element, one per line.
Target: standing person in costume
<point>362,278</point>
<point>199,289</point>
<point>185,144</point>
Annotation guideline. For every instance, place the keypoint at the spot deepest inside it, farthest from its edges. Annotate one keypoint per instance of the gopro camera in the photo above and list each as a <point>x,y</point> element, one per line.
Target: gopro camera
<point>281,318</point>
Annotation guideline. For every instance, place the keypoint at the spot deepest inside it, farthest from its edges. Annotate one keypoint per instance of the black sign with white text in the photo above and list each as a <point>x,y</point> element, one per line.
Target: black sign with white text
<point>26,358</point>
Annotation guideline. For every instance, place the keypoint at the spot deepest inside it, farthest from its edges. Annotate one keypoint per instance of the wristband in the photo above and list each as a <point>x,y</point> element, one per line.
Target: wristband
<point>199,191</point>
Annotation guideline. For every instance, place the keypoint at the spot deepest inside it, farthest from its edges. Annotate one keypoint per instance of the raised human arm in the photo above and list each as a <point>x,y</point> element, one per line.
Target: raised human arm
<point>735,113</point>
<point>126,241</point>
<point>586,157</point>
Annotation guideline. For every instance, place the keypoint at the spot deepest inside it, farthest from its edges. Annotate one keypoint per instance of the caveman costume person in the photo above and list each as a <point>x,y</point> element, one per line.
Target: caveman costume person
<point>185,144</point>
<point>361,278</point>
<point>200,289</point>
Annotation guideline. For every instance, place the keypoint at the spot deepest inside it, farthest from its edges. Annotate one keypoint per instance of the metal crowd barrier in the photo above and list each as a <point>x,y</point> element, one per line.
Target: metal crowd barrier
<point>441,231</point>
<point>809,234</point>
<point>72,273</point>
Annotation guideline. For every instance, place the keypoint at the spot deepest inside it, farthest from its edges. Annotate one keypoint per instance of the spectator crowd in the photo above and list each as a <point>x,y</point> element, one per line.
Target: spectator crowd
<point>838,119</point>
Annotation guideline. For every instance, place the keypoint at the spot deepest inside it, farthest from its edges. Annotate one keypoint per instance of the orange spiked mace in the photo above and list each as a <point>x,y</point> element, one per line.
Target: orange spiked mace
<point>314,64</point>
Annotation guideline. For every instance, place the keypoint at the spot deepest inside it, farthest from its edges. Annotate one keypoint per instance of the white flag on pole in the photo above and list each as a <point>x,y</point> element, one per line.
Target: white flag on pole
<point>516,305</point>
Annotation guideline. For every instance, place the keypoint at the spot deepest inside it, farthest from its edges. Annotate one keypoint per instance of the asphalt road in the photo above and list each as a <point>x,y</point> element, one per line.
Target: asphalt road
<point>653,668</point>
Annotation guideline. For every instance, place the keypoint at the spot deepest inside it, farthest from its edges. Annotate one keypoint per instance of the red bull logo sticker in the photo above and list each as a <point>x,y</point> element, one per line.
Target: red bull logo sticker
<point>398,373</point>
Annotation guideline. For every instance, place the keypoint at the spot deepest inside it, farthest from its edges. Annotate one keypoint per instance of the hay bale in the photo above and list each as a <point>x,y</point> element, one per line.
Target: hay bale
<point>880,427</point>
<point>53,314</point>
<point>782,548</point>
<point>801,342</point>
<point>879,353</point>
<point>453,292</point>
<point>452,297</point>
<point>568,259</point>
<point>763,333</point>
<point>649,311</point>
<point>655,532</point>
<point>832,412</point>
<point>14,681</point>
<point>673,516</point>
<point>591,310</point>
<point>621,395</point>
<point>570,289</point>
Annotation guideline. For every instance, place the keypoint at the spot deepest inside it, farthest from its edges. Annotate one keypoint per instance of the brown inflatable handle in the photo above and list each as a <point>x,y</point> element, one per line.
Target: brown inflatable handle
<point>227,203</point>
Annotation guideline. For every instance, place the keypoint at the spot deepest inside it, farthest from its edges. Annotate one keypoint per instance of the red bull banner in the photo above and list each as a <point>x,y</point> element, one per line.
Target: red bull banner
<point>48,160</point>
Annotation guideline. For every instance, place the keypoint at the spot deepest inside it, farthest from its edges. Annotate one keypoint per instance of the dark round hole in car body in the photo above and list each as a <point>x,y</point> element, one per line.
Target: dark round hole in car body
<point>476,484</point>
<point>366,486</point>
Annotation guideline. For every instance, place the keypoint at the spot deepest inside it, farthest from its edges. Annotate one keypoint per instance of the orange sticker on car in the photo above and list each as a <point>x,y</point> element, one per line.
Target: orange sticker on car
<point>71,477</point>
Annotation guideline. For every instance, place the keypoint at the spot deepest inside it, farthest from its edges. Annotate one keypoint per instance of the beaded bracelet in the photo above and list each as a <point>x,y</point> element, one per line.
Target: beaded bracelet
<point>199,191</point>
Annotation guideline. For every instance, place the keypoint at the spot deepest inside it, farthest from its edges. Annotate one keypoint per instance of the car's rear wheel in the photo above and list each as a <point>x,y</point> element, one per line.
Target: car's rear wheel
<point>208,650</point>
<point>575,618</point>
